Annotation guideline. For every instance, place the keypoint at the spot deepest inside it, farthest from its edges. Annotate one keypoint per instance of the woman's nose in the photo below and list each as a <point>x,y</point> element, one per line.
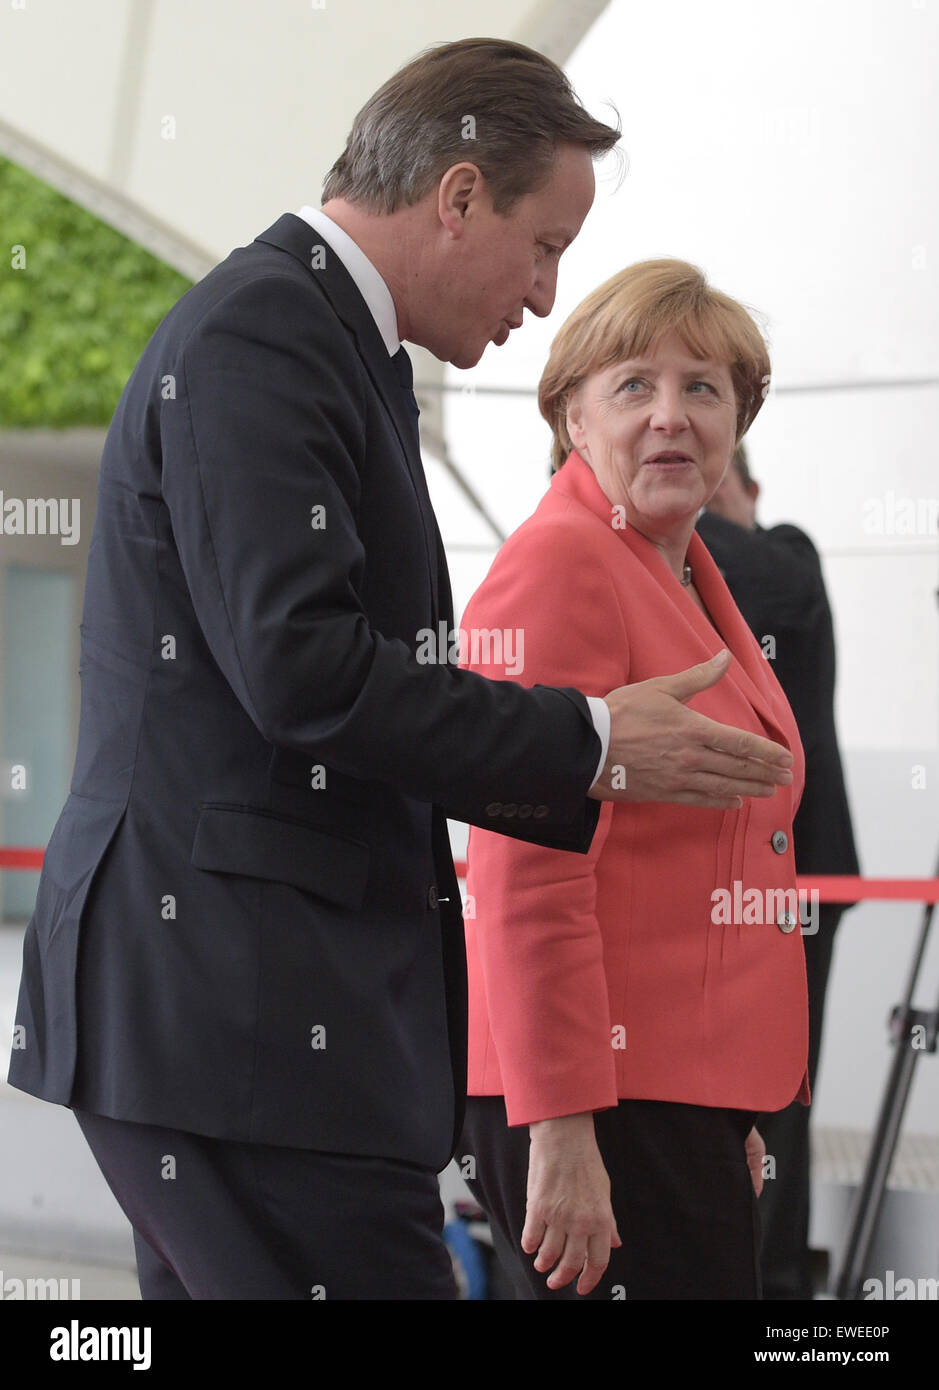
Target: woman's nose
<point>669,412</point>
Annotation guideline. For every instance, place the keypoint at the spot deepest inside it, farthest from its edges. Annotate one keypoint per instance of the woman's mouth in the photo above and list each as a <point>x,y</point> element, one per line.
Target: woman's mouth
<point>669,460</point>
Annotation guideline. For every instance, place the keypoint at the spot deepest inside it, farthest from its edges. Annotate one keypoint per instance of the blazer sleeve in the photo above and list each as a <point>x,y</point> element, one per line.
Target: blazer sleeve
<point>534,916</point>
<point>269,420</point>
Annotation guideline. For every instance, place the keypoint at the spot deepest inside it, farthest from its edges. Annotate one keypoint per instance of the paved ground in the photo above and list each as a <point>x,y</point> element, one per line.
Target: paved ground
<point>53,1200</point>
<point>74,1280</point>
<point>58,1219</point>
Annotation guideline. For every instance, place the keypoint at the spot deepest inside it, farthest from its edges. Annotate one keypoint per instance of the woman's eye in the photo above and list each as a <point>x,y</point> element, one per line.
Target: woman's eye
<point>633,381</point>
<point>706,384</point>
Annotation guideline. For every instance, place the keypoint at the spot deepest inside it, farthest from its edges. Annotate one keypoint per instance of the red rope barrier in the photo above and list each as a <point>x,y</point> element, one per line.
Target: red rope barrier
<point>14,858</point>
<point>846,888</point>
<point>831,888</point>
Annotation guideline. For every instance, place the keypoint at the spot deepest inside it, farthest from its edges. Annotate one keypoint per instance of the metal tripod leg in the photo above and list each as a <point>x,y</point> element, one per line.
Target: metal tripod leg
<point>913,1032</point>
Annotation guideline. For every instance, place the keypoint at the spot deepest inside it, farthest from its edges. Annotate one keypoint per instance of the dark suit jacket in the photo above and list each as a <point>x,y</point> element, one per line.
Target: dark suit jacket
<point>776,579</point>
<point>239,928</point>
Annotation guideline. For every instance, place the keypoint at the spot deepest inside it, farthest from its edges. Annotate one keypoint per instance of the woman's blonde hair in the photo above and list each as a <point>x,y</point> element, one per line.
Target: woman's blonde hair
<point>629,314</point>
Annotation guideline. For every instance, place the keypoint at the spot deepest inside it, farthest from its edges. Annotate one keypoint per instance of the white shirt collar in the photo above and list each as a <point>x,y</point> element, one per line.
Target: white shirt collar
<point>369,283</point>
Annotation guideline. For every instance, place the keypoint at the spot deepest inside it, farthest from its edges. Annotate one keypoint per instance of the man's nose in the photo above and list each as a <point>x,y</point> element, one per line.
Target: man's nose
<point>541,299</point>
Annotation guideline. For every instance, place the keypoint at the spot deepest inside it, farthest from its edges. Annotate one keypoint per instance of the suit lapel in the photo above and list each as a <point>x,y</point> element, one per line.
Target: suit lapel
<point>750,671</point>
<point>295,236</point>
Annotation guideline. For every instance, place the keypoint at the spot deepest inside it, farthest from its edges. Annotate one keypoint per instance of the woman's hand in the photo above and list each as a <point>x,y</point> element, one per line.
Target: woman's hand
<point>569,1220</point>
<point>756,1152</point>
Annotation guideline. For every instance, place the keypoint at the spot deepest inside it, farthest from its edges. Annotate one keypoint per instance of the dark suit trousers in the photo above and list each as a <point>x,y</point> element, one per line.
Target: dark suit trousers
<point>215,1219</point>
<point>784,1205</point>
<point>681,1192</point>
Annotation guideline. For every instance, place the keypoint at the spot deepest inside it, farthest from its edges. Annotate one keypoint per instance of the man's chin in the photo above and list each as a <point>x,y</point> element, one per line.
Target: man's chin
<point>467,357</point>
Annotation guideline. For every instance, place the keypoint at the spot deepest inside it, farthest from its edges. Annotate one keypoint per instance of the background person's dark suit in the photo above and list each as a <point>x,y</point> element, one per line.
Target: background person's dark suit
<point>776,579</point>
<point>248,925</point>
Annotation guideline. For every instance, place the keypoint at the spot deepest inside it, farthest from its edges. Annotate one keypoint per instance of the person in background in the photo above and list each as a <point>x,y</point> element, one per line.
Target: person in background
<point>776,579</point>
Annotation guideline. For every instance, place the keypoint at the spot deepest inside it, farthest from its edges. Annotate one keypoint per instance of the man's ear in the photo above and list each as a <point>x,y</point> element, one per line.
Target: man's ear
<point>457,188</point>
<point>753,491</point>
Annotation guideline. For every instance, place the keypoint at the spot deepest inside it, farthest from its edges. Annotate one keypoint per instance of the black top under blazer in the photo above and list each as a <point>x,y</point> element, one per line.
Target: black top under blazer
<point>248,923</point>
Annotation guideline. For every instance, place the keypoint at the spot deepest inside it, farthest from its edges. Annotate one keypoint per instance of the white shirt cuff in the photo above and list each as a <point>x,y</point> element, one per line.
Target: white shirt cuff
<point>600,714</point>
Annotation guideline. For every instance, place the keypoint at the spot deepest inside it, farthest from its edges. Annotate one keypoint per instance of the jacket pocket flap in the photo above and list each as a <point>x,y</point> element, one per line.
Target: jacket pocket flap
<point>259,844</point>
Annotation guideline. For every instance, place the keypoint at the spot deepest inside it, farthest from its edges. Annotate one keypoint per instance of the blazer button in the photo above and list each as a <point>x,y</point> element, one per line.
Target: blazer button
<point>780,841</point>
<point>509,809</point>
<point>786,921</point>
<point>540,812</point>
<point>494,808</point>
<point>524,812</point>
<point>432,898</point>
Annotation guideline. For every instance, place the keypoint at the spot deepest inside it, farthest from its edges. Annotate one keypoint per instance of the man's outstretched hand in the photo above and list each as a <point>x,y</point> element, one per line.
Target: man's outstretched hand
<point>661,751</point>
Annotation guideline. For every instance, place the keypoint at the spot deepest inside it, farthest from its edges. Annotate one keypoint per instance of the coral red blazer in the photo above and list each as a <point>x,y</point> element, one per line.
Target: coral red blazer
<point>619,973</point>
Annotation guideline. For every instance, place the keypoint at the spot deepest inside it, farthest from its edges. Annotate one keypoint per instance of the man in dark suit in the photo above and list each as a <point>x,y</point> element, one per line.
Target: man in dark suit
<point>776,579</point>
<point>245,971</point>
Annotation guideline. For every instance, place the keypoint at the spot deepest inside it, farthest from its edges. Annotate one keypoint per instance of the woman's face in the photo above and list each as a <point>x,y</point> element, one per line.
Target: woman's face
<point>658,433</point>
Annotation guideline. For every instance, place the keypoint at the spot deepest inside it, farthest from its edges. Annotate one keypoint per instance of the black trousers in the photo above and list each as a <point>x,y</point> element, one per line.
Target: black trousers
<point>215,1219</point>
<point>784,1205</point>
<point>680,1188</point>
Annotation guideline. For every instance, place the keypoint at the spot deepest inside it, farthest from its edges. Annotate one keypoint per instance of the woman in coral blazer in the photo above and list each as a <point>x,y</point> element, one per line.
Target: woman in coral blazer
<point>634,1009</point>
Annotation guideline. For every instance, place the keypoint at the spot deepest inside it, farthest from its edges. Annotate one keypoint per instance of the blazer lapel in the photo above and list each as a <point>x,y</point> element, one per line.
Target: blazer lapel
<point>295,236</point>
<point>748,671</point>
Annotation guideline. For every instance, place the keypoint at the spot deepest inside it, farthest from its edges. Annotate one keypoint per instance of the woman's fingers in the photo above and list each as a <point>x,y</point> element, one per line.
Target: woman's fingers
<point>755,1149</point>
<point>550,1249</point>
<point>584,1258</point>
<point>569,1223</point>
<point>563,1256</point>
<point>533,1233</point>
<point>598,1257</point>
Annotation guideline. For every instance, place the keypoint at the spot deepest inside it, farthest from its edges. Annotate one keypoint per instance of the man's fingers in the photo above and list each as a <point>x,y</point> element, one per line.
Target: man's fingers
<point>738,743</point>
<point>721,776</point>
<point>716,803</point>
<point>709,762</point>
<point>692,681</point>
<point>723,738</point>
<point>702,789</point>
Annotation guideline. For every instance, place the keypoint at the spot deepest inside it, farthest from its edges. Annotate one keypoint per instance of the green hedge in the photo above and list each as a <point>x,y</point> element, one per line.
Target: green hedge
<point>74,321</point>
